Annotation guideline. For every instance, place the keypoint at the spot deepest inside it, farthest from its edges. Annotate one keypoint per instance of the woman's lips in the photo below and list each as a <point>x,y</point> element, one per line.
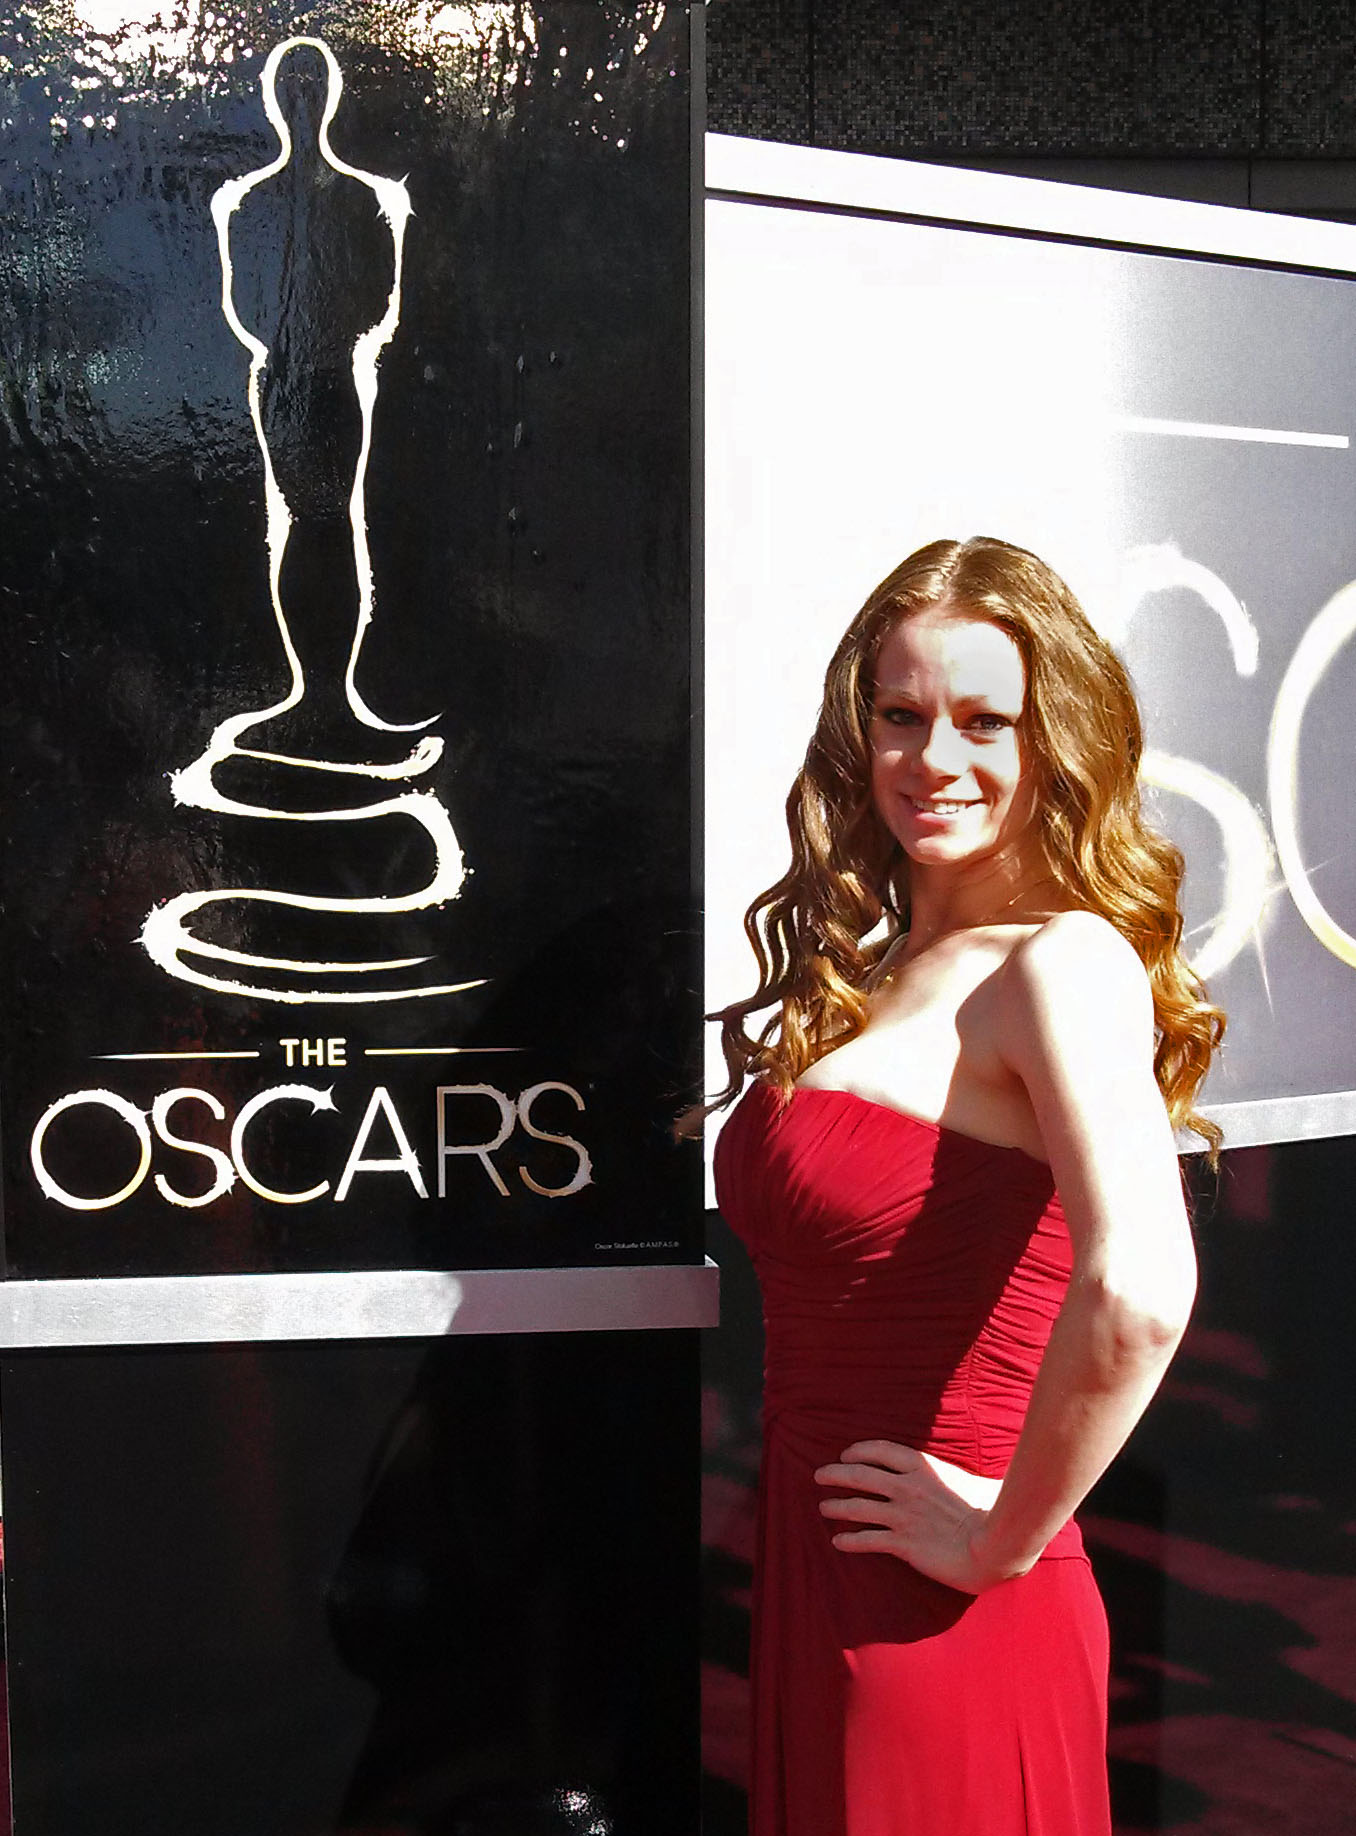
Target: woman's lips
<point>939,809</point>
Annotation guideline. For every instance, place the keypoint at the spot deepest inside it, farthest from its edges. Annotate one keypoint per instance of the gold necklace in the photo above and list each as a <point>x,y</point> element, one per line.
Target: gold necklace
<point>886,967</point>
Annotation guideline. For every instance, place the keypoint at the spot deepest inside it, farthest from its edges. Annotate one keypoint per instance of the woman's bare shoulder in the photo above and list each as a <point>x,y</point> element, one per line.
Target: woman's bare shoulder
<point>1076,971</point>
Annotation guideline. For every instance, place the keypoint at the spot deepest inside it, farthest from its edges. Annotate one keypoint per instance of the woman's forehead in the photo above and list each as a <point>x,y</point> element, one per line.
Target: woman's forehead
<point>952,653</point>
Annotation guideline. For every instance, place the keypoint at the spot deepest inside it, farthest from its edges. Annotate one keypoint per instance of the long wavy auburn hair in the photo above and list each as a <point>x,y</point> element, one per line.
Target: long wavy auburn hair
<point>1081,731</point>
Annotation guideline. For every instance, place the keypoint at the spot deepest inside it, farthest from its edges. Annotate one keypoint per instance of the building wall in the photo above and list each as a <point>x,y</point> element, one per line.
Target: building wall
<point>1250,103</point>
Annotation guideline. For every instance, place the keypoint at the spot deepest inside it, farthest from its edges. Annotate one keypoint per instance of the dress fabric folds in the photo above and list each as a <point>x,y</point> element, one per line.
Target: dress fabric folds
<point>910,1278</point>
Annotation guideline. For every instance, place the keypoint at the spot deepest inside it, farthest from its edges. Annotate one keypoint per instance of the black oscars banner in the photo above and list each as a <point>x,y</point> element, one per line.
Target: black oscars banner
<point>346,637</point>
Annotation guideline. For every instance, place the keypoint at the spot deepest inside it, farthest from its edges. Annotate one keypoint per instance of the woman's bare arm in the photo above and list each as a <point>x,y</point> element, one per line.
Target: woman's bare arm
<point>1077,1027</point>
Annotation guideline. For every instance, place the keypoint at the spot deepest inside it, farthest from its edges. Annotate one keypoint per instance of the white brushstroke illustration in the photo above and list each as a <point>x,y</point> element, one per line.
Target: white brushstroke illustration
<point>1249,861</point>
<point>168,934</point>
<point>1250,881</point>
<point>1314,655</point>
<point>1157,568</point>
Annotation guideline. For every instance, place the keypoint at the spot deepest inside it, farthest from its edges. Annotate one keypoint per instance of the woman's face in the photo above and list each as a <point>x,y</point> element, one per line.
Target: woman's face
<point>948,775</point>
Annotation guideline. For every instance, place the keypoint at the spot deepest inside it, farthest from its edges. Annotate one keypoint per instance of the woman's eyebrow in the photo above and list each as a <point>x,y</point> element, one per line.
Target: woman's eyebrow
<point>1000,705</point>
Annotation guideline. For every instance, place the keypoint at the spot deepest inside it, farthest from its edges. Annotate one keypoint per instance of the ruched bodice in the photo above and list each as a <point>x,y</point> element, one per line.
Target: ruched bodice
<point>911,1275</point>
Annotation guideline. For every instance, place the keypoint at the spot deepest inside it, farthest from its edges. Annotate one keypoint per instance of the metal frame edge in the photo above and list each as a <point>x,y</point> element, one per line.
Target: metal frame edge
<point>354,1304</point>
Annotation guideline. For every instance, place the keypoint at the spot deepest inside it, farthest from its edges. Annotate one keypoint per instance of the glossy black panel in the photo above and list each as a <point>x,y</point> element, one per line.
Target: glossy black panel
<point>389,1587</point>
<point>345,489</point>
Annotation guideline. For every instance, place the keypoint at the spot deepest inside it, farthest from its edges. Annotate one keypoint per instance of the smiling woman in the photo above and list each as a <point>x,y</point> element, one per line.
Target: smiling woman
<point>956,1174</point>
<point>946,760</point>
<point>854,892</point>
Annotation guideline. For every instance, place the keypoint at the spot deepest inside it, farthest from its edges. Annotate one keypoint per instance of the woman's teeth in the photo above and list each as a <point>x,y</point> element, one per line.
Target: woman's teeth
<point>936,808</point>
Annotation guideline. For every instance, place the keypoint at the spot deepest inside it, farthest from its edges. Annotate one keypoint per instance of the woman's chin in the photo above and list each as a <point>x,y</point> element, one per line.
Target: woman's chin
<point>941,850</point>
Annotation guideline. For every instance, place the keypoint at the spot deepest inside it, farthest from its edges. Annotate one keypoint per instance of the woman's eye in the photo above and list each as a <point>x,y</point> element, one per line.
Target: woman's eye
<point>897,717</point>
<point>991,723</point>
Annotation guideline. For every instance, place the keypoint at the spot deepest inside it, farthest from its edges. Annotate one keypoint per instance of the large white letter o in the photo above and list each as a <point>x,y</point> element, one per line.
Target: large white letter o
<point>130,1114</point>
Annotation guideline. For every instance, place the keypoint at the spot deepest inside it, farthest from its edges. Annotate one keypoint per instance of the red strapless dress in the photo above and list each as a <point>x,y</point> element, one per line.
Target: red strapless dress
<point>910,1277</point>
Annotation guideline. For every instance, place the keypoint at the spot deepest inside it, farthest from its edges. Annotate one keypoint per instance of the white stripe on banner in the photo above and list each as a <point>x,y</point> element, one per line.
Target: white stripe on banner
<point>1214,430</point>
<point>356,1304</point>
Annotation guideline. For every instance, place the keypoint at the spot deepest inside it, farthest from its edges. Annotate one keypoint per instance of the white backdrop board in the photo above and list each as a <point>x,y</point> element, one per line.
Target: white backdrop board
<point>1159,398</point>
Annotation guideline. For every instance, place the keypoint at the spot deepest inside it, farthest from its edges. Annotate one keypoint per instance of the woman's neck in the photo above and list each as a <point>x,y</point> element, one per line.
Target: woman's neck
<point>943,900</point>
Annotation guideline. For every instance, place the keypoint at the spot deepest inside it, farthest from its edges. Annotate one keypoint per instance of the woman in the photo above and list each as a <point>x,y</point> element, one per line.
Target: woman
<point>955,1169</point>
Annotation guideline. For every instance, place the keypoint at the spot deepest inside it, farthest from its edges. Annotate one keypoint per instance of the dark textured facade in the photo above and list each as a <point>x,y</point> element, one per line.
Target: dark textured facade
<point>1245,103</point>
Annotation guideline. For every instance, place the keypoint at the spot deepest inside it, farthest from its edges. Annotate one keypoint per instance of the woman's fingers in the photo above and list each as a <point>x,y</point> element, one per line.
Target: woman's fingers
<point>889,1454</point>
<point>865,1542</point>
<point>871,1466</point>
<point>868,1510</point>
<point>859,1478</point>
<point>911,1506</point>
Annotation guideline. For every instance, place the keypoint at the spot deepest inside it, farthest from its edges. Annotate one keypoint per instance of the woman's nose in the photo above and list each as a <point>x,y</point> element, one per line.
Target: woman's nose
<point>941,749</point>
